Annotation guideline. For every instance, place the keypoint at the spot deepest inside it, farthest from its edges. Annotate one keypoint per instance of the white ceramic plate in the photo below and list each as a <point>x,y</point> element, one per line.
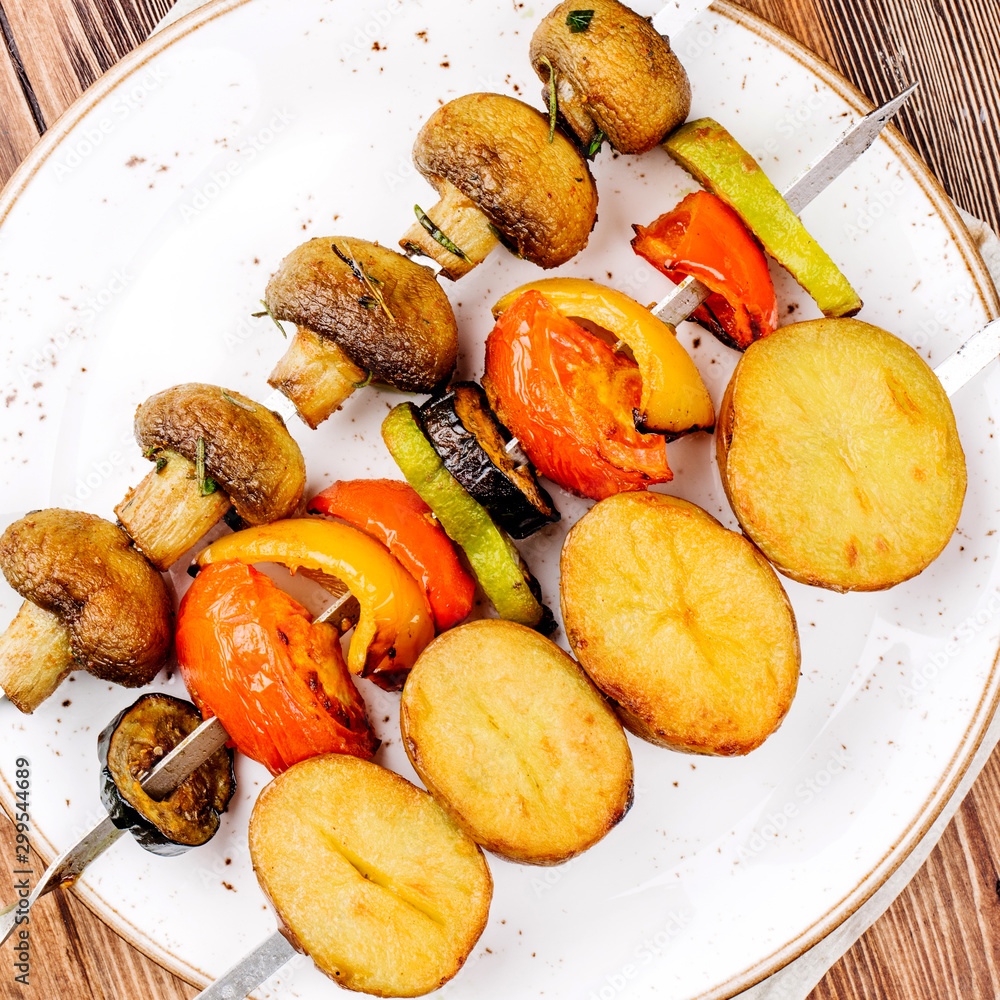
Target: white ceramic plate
<point>135,243</point>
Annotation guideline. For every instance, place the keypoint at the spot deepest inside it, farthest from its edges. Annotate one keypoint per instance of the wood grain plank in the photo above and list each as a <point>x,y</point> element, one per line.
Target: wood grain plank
<point>941,938</point>
<point>74,956</point>
<point>65,45</point>
<point>18,131</point>
<point>951,46</point>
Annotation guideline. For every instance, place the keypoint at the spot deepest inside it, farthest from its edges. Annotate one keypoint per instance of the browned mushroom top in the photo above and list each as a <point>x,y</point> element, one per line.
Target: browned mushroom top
<point>613,72</point>
<point>386,312</point>
<point>245,447</point>
<point>112,602</point>
<point>497,151</point>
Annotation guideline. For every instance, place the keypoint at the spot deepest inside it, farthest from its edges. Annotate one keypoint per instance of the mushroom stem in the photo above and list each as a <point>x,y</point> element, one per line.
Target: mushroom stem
<point>35,656</point>
<point>460,221</point>
<point>316,375</point>
<point>167,513</point>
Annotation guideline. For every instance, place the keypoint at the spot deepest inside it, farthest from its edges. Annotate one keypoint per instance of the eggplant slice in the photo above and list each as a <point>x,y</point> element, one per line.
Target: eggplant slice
<point>472,444</point>
<point>130,747</point>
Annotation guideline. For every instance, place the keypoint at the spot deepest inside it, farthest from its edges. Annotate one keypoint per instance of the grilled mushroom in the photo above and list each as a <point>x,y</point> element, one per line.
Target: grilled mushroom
<point>213,449</point>
<point>503,176</point>
<point>91,601</point>
<point>614,76</point>
<point>363,313</point>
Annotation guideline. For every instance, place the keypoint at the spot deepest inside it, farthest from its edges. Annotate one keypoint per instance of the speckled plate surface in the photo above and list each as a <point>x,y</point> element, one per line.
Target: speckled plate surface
<point>136,241</point>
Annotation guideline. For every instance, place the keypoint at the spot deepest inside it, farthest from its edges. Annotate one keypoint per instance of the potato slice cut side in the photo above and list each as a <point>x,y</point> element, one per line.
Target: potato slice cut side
<point>840,456</point>
<point>369,876</point>
<point>681,622</point>
<point>515,742</point>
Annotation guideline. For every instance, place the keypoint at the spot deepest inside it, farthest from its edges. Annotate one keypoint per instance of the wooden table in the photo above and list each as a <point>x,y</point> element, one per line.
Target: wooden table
<point>941,939</point>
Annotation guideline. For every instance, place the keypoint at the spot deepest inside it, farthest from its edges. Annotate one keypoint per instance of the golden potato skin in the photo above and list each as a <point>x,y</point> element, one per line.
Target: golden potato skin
<point>681,622</point>
<point>619,76</point>
<point>515,743</point>
<point>369,876</point>
<point>840,456</point>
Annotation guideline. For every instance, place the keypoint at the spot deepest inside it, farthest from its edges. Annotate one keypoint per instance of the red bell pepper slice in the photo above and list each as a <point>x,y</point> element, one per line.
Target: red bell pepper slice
<point>704,237</point>
<point>252,656</point>
<point>393,512</point>
<point>569,399</point>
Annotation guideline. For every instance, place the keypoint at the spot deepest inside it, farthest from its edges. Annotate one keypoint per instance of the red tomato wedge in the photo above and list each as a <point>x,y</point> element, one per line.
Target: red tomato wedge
<point>278,683</point>
<point>392,511</point>
<point>704,237</point>
<point>569,398</point>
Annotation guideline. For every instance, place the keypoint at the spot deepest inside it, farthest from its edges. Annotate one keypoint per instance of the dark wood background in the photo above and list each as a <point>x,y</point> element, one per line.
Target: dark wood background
<point>941,939</point>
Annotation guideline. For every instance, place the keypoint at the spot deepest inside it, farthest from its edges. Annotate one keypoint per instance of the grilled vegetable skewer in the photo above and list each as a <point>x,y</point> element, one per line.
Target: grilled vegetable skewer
<point>691,293</point>
<point>165,777</point>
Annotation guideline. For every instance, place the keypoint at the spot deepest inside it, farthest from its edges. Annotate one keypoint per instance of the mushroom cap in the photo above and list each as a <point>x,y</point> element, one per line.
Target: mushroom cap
<point>413,349</point>
<point>496,151</point>
<point>248,450</point>
<point>85,571</point>
<point>619,75</point>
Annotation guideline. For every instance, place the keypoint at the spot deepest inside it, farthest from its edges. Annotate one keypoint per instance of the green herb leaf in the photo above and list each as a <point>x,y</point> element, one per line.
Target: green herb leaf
<point>507,244</point>
<point>424,219</point>
<point>161,463</point>
<point>267,312</point>
<point>595,144</point>
<point>367,381</point>
<point>236,402</point>
<point>578,20</point>
<point>366,279</point>
<point>206,484</point>
<point>412,250</point>
<point>553,99</point>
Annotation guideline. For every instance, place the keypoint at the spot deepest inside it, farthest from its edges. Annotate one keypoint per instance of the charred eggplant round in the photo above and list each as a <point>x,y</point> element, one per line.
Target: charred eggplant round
<point>472,445</point>
<point>130,747</point>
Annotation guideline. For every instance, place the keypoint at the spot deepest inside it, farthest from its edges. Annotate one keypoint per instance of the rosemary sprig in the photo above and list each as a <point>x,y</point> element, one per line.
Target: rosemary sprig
<point>267,312</point>
<point>507,244</point>
<point>553,99</point>
<point>595,144</point>
<point>236,402</point>
<point>206,484</point>
<point>366,279</point>
<point>413,250</point>
<point>425,220</point>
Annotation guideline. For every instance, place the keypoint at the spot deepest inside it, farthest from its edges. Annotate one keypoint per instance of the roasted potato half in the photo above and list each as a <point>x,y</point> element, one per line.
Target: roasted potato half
<point>515,743</point>
<point>369,876</point>
<point>840,456</point>
<point>681,622</point>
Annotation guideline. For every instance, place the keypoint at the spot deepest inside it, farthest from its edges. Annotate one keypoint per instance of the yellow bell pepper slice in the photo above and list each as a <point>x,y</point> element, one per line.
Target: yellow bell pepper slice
<point>395,622</point>
<point>674,399</point>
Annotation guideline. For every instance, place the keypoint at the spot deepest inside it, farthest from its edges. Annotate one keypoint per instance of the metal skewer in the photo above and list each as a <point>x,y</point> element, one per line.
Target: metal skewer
<point>691,293</point>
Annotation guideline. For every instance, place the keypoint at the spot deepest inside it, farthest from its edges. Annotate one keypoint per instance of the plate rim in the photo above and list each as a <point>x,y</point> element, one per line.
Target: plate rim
<point>960,761</point>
